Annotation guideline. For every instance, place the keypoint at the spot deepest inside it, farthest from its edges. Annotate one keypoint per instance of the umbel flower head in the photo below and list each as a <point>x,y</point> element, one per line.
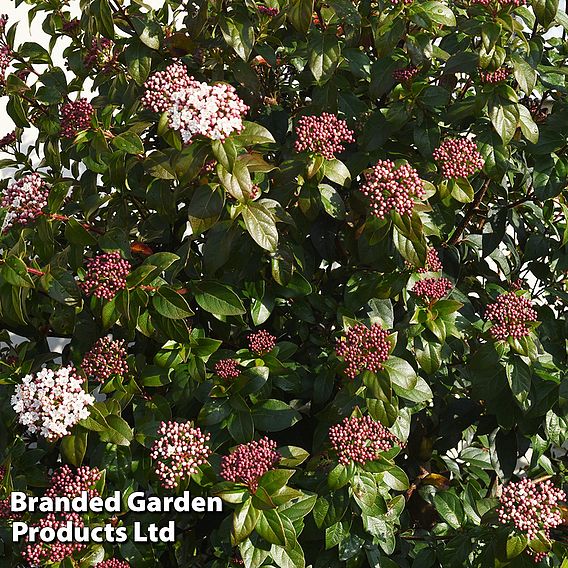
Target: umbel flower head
<point>360,439</point>
<point>531,506</point>
<point>494,77</point>
<point>179,451</point>
<point>106,275</point>
<point>101,54</point>
<point>392,188</point>
<point>66,483</point>
<point>261,342</point>
<point>458,158</point>
<point>432,289</point>
<point>24,201</point>
<point>324,134</point>
<point>113,563</point>
<point>510,315</point>
<point>228,369</point>
<point>195,108</point>
<point>364,348</point>
<point>248,462</point>
<point>433,262</point>
<point>39,552</point>
<point>106,359</point>
<point>50,402</point>
<point>405,74</point>
<point>75,116</point>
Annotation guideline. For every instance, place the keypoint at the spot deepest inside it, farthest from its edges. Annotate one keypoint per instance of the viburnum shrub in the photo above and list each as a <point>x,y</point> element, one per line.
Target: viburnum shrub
<point>305,256</point>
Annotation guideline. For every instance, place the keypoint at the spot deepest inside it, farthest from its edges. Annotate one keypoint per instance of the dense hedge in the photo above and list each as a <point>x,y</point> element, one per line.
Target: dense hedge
<point>308,257</point>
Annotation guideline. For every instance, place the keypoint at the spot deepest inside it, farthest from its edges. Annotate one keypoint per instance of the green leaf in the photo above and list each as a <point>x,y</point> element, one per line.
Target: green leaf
<point>245,519</point>
<point>241,426</point>
<point>271,528</point>
<point>217,298</point>
<point>461,190</point>
<point>261,225</point>
<point>118,431</point>
<point>128,142</point>
<point>505,119</point>
<point>519,378</point>
<point>401,373</point>
<point>528,125</point>
<point>252,134</point>
<point>524,74</point>
<point>74,446</point>
<point>450,508</point>
<point>238,181</point>
<point>239,34</point>
<point>139,61</point>
<point>292,456</point>
<point>15,272</point>
<point>204,209</point>
<point>337,171</point>
<point>170,304</point>
<point>331,201</point>
<point>324,52</point>
<point>545,11</point>
<point>299,13</point>
<point>273,415</point>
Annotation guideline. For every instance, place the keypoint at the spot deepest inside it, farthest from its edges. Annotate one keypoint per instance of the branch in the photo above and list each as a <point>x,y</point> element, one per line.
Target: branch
<point>469,213</point>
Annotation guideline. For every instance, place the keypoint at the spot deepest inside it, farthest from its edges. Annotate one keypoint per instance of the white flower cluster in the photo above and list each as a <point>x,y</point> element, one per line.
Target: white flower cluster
<point>51,402</point>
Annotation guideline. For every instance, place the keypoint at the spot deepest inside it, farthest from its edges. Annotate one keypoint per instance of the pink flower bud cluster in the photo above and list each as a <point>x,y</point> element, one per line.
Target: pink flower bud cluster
<point>432,289</point>
<point>360,439</point>
<point>6,513</point>
<point>433,263</point>
<point>261,342</point>
<point>392,189</point>
<point>494,77</point>
<point>38,553</point>
<point>50,402</point>
<point>405,75</point>
<point>272,12</point>
<point>24,200</point>
<point>106,359</point>
<point>510,315</point>
<point>364,348</point>
<point>458,158</point>
<point>179,452</point>
<point>101,54</point>
<point>228,369</point>
<point>538,112</point>
<point>531,506</point>
<point>3,22</point>
<point>75,116</point>
<point>71,26</point>
<point>8,140</point>
<point>65,483</point>
<point>195,108</point>
<point>248,462</point>
<point>113,563</point>
<point>2,473</point>
<point>324,134</point>
<point>501,3</point>
<point>5,61</point>
<point>106,275</point>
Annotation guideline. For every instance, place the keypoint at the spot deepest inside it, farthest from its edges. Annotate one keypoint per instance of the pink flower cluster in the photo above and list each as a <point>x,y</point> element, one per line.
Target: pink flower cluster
<point>510,315</point>
<point>106,359</point>
<point>195,108</point>
<point>532,506</point>
<point>261,342</point>
<point>433,263</point>
<point>75,116</point>
<point>6,513</point>
<point>179,452</point>
<point>364,348</point>
<point>538,112</point>
<point>494,77</point>
<point>248,462</point>
<point>458,158</point>
<point>40,552</point>
<point>113,563</point>
<point>51,402</point>
<point>324,134</point>
<point>106,275</point>
<point>101,54</point>
<point>272,12</point>
<point>8,140</point>
<point>360,439</point>
<point>432,289</point>
<point>501,3</point>
<point>65,483</point>
<point>5,61</point>
<point>405,75</point>
<point>392,189</point>
<point>24,200</point>
<point>71,26</point>
<point>228,369</point>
